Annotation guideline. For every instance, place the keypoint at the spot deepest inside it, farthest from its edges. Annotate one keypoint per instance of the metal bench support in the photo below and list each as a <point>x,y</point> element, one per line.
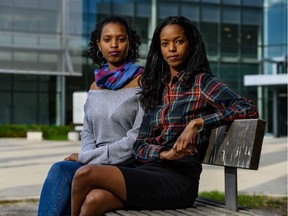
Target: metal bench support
<point>231,190</point>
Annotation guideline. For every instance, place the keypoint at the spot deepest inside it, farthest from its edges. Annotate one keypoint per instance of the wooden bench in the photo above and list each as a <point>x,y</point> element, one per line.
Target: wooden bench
<point>236,146</point>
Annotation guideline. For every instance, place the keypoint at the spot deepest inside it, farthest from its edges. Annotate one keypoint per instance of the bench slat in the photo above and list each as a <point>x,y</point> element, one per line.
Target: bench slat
<point>202,207</point>
<point>149,213</point>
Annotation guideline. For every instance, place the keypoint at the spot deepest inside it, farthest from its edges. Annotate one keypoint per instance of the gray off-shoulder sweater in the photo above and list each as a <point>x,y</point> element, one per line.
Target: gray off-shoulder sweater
<point>111,124</point>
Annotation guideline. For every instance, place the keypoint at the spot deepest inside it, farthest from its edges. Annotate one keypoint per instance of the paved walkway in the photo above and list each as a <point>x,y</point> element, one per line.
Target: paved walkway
<point>24,166</point>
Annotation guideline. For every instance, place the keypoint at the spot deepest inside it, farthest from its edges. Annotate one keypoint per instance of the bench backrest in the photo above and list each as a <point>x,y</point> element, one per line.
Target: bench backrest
<point>238,145</point>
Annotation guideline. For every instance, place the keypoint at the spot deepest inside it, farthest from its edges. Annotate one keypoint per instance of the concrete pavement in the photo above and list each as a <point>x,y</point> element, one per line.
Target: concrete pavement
<point>24,166</point>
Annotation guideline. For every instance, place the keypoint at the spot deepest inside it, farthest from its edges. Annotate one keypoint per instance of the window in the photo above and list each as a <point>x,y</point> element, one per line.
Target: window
<point>229,40</point>
<point>249,40</point>
<point>210,34</point>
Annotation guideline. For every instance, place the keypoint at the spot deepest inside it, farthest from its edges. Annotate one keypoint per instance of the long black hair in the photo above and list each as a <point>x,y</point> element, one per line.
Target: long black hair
<point>156,67</point>
<point>133,37</point>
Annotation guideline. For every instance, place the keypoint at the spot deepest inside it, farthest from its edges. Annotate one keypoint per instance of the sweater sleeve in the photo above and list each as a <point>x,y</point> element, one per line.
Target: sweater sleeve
<point>88,146</point>
<point>119,152</point>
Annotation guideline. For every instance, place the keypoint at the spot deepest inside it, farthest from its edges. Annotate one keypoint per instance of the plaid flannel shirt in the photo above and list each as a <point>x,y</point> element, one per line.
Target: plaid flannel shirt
<point>208,99</point>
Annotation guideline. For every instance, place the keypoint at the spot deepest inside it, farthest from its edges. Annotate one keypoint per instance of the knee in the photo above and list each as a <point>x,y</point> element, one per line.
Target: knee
<point>94,197</point>
<point>83,173</point>
<point>64,166</point>
<point>63,170</point>
<point>56,168</point>
<point>94,202</point>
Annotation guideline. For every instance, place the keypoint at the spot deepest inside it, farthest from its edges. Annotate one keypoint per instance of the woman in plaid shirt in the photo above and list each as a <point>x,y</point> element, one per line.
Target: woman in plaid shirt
<point>183,101</point>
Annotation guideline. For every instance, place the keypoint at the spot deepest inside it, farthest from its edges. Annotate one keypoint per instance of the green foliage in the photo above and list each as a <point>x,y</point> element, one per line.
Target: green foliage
<point>55,132</point>
<point>49,132</point>
<point>13,130</point>
<point>251,201</point>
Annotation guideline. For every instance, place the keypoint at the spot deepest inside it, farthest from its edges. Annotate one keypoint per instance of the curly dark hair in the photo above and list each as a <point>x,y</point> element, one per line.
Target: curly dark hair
<point>133,37</point>
<point>156,67</point>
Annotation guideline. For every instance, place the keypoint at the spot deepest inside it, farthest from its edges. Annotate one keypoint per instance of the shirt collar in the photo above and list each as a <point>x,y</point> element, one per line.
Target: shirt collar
<point>179,77</point>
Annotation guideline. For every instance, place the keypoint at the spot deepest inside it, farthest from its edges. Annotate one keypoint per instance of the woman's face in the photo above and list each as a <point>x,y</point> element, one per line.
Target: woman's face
<point>174,47</point>
<point>114,44</point>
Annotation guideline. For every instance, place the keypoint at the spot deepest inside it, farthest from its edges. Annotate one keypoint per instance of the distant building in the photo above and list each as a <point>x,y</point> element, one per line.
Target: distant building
<point>43,50</point>
<point>272,79</point>
<point>41,45</point>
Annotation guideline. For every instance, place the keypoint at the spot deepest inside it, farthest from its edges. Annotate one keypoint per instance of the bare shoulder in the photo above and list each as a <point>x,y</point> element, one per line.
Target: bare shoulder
<point>133,83</point>
<point>94,86</point>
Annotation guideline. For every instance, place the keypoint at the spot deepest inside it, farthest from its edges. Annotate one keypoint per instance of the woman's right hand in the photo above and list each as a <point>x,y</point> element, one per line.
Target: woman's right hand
<point>72,157</point>
<point>169,155</point>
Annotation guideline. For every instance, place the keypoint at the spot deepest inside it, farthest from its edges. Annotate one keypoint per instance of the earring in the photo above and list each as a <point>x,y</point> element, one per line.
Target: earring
<point>99,54</point>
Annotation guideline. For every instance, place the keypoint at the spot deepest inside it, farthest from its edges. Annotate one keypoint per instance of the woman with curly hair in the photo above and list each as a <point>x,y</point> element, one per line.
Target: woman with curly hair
<point>113,113</point>
<point>183,101</point>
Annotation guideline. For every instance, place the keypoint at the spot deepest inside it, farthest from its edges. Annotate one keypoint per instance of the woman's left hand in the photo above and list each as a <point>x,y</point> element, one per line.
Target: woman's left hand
<point>72,157</point>
<point>185,144</point>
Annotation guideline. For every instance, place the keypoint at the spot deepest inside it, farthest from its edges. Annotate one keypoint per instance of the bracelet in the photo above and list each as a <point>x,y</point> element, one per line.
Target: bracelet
<point>199,130</point>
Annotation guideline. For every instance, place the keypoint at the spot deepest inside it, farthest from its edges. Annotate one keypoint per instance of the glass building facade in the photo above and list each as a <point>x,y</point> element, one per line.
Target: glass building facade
<point>272,79</point>
<point>43,51</point>
<point>40,45</point>
<point>275,62</point>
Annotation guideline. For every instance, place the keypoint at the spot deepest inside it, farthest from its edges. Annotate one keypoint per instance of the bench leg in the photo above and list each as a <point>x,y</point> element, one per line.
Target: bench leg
<point>231,190</point>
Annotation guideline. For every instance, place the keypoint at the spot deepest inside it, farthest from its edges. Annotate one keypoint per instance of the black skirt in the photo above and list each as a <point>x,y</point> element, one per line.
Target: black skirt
<point>162,185</point>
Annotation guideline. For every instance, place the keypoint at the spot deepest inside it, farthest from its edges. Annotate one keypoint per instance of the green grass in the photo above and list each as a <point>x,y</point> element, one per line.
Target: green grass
<point>263,202</point>
<point>8,202</point>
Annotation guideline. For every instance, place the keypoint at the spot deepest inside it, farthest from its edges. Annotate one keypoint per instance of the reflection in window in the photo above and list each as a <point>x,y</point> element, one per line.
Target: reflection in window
<point>231,2</point>
<point>25,60</point>
<point>23,104</point>
<point>5,106</point>
<point>210,13</point>
<point>215,69</point>
<point>6,59</point>
<point>230,76</point>
<point>6,17</point>
<point>48,62</point>
<point>231,15</point>
<point>167,9</point>
<point>249,39</point>
<point>51,4</point>
<point>256,3</point>
<point>211,1</point>
<point>252,16</point>
<point>123,8</point>
<point>191,11</point>
<point>25,20</point>
<point>49,21</point>
<point>229,40</point>
<point>141,26</point>
<point>209,33</point>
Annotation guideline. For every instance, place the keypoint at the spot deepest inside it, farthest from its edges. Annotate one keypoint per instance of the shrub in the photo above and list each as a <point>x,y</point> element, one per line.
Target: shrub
<point>13,130</point>
<point>55,132</point>
<point>49,132</point>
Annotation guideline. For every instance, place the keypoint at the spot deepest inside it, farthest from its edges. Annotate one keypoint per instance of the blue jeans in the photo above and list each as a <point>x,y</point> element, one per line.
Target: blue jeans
<point>55,198</point>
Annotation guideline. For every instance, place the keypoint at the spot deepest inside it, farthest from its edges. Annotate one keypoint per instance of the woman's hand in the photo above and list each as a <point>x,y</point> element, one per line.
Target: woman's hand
<point>72,157</point>
<point>185,144</point>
